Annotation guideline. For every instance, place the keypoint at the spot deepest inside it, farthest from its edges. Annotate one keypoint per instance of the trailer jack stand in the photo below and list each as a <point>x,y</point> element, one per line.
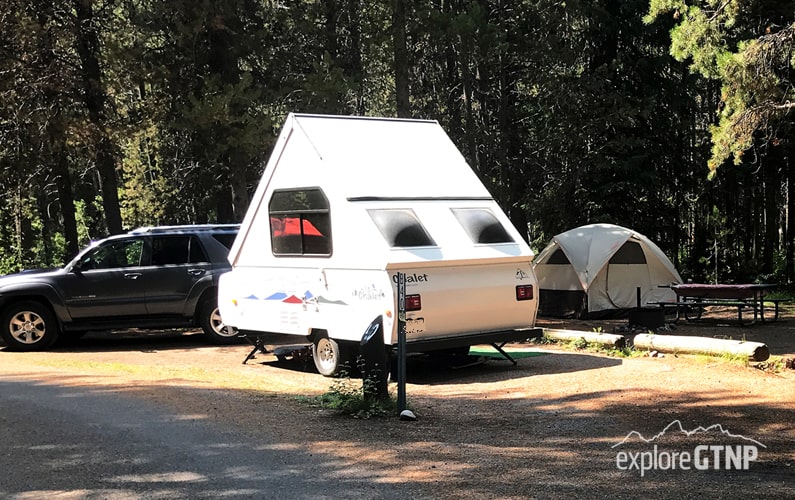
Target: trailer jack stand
<point>499,348</point>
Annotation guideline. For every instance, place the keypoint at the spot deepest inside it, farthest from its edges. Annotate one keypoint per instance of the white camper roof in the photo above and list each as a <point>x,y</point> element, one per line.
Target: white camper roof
<point>361,149</point>
<point>360,159</point>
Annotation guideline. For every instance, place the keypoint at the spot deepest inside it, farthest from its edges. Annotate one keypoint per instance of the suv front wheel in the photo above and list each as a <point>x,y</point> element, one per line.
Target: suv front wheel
<point>213,326</point>
<point>28,326</point>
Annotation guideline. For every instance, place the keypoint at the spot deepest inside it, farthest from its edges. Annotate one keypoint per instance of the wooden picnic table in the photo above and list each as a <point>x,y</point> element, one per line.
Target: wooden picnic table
<point>692,298</point>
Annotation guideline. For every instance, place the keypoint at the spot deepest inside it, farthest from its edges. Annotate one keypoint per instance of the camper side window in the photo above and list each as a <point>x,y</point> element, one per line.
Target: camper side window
<point>481,225</point>
<point>300,222</point>
<point>401,228</point>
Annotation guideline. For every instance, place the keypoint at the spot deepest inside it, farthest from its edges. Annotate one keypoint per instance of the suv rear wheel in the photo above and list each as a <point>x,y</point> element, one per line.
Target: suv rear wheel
<point>28,326</point>
<point>213,326</point>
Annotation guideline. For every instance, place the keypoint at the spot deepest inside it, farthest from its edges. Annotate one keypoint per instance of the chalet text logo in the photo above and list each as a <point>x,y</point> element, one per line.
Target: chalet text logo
<point>675,448</point>
<point>413,278</point>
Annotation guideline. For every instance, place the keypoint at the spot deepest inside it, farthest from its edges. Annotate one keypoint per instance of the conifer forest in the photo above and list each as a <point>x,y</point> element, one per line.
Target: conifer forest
<point>673,118</point>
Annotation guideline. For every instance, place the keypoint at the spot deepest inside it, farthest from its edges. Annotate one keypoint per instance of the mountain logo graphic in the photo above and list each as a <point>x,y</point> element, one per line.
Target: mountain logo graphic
<point>677,425</point>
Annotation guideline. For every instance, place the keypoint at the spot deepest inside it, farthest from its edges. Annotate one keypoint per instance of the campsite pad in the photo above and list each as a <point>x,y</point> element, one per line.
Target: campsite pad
<point>490,352</point>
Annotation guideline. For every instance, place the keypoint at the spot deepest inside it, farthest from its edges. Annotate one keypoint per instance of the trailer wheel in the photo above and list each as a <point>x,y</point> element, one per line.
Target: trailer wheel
<point>328,356</point>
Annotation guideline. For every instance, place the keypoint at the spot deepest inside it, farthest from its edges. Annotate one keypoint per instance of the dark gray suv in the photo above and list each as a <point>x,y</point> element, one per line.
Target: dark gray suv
<point>157,277</point>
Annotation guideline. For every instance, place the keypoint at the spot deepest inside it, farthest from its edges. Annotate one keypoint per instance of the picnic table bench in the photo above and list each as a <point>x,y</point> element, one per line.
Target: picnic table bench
<point>693,298</point>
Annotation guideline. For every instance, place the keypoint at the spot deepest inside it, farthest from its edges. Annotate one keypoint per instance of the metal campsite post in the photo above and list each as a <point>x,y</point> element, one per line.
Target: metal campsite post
<point>401,350</point>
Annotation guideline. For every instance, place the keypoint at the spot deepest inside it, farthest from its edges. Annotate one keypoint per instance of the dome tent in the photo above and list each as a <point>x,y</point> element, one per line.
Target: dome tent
<point>597,270</point>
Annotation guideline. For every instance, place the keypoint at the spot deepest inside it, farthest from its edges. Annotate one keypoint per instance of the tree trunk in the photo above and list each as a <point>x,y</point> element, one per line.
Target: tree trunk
<point>772,186</point>
<point>755,351</point>
<point>788,226</point>
<point>224,61</point>
<point>470,143</point>
<point>401,58</point>
<point>87,41</point>
<point>353,61</point>
<point>57,143</point>
<point>66,198</point>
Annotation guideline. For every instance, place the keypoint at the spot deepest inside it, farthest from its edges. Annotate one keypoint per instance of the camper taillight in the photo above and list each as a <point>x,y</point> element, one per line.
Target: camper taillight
<point>413,303</point>
<point>524,292</point>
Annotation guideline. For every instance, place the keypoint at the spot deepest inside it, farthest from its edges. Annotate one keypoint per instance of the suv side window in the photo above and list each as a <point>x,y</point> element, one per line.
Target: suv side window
<point>174,250</point>
<point>196,251</point>
<point>226,239</point>
<point>114,254</point>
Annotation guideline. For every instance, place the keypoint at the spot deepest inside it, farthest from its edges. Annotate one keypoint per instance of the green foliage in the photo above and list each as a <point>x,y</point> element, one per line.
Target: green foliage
<point>722,40</point>
<point>621,352</point>
<point>775,364</point>
<point>570,112</point>
<point>346,396</point>
<point>579,344</point>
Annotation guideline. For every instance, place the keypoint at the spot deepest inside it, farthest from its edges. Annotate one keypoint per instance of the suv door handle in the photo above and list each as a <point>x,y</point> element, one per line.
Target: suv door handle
<point>132,276</point>
<point>195,272</point>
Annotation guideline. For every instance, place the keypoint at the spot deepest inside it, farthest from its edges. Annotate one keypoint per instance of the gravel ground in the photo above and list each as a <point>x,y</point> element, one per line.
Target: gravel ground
<point>550,427</point>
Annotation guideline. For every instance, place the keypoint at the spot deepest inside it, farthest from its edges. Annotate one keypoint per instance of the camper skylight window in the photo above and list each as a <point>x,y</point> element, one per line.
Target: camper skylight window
<point>300,222</point>
<point>481,225</point>
<point>401,228</point>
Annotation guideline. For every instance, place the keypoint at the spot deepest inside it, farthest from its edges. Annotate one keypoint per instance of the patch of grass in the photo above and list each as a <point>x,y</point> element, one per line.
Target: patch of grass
<point>775,364</point>
<point>621,352</point>
<point>736,359</point>
<point>579,344</point>
<point>347,397</point>
<point>544,340</point>
<point>740,359</point>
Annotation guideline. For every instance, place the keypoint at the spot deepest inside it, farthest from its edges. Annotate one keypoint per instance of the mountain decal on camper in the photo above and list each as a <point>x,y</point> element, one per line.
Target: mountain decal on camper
<point>324,300</point>
<point>677,425</point>
<point>294,299</point>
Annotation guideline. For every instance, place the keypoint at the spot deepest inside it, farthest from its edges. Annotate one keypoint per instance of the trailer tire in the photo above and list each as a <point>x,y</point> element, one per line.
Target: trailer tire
<point>329,356</point>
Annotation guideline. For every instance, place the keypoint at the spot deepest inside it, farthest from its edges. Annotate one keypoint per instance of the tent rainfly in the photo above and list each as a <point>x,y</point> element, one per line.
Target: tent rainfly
<point>596,270</point>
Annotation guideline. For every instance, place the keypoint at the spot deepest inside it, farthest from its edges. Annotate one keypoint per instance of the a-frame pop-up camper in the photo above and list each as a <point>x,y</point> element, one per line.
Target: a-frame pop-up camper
<point>344,204</point>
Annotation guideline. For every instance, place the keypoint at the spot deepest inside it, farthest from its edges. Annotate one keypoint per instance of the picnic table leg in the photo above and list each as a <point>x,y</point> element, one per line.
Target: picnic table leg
<point>693,312</point>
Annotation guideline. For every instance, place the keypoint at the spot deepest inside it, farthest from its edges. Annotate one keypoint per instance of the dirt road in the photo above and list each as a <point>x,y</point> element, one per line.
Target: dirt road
<point>551,427</point>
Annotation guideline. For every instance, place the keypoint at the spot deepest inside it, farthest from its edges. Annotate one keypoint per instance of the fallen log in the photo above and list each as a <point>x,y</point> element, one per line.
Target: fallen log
<point>608,339</point>
<point>755,351</point>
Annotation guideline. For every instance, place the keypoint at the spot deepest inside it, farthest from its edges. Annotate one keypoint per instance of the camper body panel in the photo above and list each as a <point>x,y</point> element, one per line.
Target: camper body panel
<point>303,301</point>
<point>461,298</point>
<point>457,298</point>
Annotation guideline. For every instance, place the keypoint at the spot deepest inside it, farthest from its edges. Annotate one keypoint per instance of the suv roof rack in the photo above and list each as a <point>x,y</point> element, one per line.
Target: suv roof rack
<point>185,227</point>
